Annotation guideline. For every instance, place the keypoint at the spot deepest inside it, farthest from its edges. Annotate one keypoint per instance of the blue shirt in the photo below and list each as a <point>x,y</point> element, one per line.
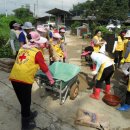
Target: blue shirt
<point>50,34</point>
<point>22,38</point>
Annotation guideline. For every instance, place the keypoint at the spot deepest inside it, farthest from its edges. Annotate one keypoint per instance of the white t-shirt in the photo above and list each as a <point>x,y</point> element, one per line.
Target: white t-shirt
<point>99,59</point>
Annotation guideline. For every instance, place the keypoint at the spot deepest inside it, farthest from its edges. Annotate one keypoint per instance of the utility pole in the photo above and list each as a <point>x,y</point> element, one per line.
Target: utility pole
<point>34,10</point>
<point>37,9</point>
<point>62,4</point>
<point>5,8</point>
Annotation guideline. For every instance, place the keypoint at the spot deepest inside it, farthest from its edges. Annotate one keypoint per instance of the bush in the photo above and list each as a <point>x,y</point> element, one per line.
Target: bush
<point>4,28</point>
<point>6,52</point>
<point>75,25</point>
<point>104,30</point>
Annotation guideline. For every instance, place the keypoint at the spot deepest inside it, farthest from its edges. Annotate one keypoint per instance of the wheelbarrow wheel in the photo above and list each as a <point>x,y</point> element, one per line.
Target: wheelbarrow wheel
<point>74,91</point>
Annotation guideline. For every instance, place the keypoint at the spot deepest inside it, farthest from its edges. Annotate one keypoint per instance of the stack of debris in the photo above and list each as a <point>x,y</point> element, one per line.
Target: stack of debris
<point>6,64</point>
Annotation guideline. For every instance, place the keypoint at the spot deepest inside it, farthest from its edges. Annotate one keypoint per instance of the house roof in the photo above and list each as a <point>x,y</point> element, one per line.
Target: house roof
<point>45,17</point>
<point>77,18</point>
<point>56,11</point>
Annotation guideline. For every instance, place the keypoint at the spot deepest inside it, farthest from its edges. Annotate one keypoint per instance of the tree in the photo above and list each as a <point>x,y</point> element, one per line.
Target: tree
<point>123,11</point>
<point>108,10</point>
<point>105,9</point>
<point>114,9</point>
<point>24,14</point>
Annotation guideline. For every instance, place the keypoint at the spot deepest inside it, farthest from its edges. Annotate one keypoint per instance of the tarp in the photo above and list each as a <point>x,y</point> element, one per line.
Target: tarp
<point>62,71</point>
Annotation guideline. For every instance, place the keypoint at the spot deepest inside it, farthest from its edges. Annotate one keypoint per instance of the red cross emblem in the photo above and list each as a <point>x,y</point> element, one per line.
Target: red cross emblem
<point>22,57</point>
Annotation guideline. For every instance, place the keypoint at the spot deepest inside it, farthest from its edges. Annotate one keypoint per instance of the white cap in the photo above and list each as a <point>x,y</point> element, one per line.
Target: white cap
<point>62,30</point>
<point>127,34</point>
<point>41,40</point>
<point>40,28</point>
<point>16,25</point>
<point>56,35</point>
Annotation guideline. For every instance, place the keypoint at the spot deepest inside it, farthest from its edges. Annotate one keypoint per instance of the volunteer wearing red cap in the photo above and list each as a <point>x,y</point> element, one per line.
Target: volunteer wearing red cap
<point>28,61</point>
<point>104,71</point>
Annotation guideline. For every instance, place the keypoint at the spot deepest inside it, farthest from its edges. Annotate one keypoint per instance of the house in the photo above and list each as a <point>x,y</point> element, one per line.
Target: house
<point>55,15</point>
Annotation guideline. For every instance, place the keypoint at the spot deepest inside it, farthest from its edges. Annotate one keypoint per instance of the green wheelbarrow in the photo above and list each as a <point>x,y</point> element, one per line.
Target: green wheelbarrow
<point>66,80</point>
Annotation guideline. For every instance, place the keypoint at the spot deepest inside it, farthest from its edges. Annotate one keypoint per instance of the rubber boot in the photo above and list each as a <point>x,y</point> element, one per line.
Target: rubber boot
<point>124,107</point>
<point>96,93</point>
<point>28,123</point>
<point>33,114</point>
<point>107,89</point>
<point>116,65</point>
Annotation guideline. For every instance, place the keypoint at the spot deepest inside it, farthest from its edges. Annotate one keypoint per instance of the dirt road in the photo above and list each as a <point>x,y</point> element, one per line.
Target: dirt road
<point>52,115</point>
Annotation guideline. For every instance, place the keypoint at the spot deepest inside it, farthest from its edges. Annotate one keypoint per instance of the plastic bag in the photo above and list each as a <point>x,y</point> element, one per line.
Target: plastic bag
<point>89,119</point>
<point>103,48</point>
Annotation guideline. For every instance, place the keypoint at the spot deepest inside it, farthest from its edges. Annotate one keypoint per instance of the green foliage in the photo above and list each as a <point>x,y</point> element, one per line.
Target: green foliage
<point>5,52</point>
<point>114,9</point>
<point>75,24</point>
<point>4,28</point>
<point>104,9</point>
<point>24,14</point>
<point>103,30</point>
<point>21,15</point>
<point>106,31</point>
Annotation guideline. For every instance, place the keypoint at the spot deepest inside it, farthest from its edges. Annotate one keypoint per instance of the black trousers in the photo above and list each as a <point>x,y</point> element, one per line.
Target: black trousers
<point>127,100</point>
<point>118,57</point>
<point>106,76</point>
<point>23,93</point>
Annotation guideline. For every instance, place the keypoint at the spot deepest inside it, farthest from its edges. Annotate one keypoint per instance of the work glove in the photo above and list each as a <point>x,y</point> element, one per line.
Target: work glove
<point>52,82</point>
<point>85,53</point>
<point>65,55</point>
<point>122,61</point>
<point>94,73</point>
<point>48,74</point>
